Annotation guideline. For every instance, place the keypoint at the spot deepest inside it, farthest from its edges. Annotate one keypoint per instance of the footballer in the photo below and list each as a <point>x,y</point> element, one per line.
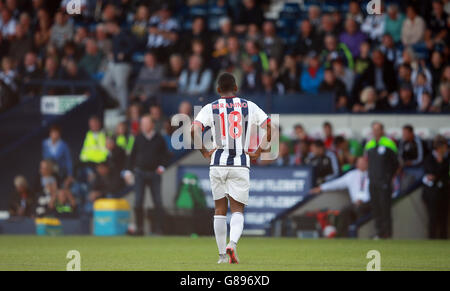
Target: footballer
<point>230,119</point>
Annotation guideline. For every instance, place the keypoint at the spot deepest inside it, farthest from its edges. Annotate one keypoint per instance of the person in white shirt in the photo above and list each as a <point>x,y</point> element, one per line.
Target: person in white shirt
<point>357,184</point>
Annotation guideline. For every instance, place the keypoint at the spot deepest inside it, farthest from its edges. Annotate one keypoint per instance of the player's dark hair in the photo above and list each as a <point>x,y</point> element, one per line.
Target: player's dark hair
<point>227,83</point>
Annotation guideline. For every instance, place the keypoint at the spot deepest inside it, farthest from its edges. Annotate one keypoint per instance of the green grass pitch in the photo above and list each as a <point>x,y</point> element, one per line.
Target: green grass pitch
<point>200,254</point>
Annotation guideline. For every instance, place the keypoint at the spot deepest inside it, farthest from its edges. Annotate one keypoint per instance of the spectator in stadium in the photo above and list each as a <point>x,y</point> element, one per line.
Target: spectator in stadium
<point>272,45</point>
<point>368,102</point>
<point>94,149</point>
<point>290,74</point>
<point>115,81</point>
<point>124,139</point>
<point>149,79</point>
<point>173,73</point>
<point>234,50</point>
<point>63,204</point>
<point>270,85</point>
<point>411,148</point>
<point>162,33</point>
<point>379,75</point>
<point>198,32</point>
<point>7,24</point>
<point>140,24</point>
<point>23,200</point>
<point>308,40</point>
<point>42,33</point>
<point>328,136</point>
<point>116,156</point>
<point>285,158</point>
<point>357,183</point>
<point>427,102</point>
<point>301,151</point>
<point>259,58</point>
<point>374,25</point>
<point>413,30</point>
<point>436,189</point>
<point>352,37</point>
<point>442,102</point>
<point>62,31</point>
<point>437,28</point>
<point>354,11</point>
<point>134,118</point>
<point>406,100</point>
<point>57,151</point>
<point>312,75</point>
<point>45,187</point>
<point>324,163</point>
<point>157,116</point>
<point>394,22</point>
<point>345,75</point>
<point>196,79</point>
<point>390,50</point>
<point>437,66</point>
<point>148,168</point>
<point>52,73</point>
<point>331,84</point>
<point>300,133</point>
<point>252,78</point>
<point>334,50</point>
<point>21,44</point>
<point>8,74</point>
<point>28,70</point>
<point>347,152</point>
<point>93,59</point>
<point>383,165</point>
<point>106,183</point>
<point>249,13</point>
<point>314,15</point>
<point>363,62</point>
<point>420,86</point>
<point>105,45</point>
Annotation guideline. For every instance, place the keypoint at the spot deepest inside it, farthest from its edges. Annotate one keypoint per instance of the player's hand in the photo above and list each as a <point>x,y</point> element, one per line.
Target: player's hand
<point>255,155</point>
<point>208,154</point>
<point>315,191</point>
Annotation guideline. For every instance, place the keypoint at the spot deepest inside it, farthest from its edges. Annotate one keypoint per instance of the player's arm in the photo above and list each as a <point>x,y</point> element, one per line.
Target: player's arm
<point>265,144</point>
<point>197,136</point>
<point>203,120</point>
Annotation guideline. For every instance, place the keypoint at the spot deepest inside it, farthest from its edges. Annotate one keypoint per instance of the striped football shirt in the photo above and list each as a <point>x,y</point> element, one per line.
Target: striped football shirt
<point>232,120</point>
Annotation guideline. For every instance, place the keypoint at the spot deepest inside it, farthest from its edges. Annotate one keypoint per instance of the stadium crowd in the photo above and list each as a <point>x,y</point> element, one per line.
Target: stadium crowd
<point>139,50</point>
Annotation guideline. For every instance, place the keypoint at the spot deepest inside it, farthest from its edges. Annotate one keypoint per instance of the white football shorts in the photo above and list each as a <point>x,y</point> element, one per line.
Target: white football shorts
<point>230,181</point>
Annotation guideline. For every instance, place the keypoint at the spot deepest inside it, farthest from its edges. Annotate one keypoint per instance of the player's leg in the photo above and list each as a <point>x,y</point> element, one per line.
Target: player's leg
<point>238,186</point>
<point>236,228</point>
<point>220,228</point>
<point>221,208</point>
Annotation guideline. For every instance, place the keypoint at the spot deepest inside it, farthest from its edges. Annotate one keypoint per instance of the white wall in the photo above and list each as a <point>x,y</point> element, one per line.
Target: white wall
<point>358,123</point>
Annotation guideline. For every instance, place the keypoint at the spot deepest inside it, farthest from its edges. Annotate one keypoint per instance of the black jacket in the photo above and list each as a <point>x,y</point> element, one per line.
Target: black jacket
<point>383,161</point>
<point>148,155</point>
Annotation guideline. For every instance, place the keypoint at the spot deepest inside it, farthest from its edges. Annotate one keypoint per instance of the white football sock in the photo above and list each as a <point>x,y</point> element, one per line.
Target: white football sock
<point>220,230</point>
<point>237,226</point>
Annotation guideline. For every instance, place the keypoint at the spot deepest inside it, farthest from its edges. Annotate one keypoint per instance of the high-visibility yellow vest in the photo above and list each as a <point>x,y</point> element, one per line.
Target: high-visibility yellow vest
<point>125,142</point>
<point>94,148</point>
